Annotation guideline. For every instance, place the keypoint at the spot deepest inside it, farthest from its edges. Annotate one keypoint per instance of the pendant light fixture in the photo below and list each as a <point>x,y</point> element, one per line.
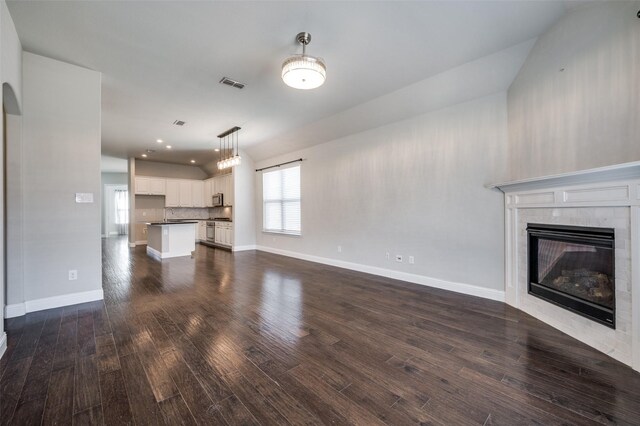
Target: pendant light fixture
<point>226,146</point>
<point>303,71</point>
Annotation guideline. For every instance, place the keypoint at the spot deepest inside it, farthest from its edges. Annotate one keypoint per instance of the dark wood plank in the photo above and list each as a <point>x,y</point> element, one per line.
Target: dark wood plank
<point>11,386</point>
<point>87,384</point>
<point>107,355</point>
<point>89,417</point>
<point>142,401</point>
<point>28,412</point>
<point>175,412</point>
<point>235,412</point>
<point>59,407</point>
<point>202,408</point>
<point>115,402</point>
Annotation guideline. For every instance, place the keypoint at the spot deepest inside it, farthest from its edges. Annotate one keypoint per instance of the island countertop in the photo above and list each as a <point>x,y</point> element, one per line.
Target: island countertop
<point>171,223</point>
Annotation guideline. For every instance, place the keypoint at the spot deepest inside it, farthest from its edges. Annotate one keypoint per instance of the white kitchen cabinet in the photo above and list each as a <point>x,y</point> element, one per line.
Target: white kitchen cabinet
<point>224,233</point>
<point>185,193</point>
<point>201,232</point>
<point>208,192</point>
<point>172,196</point>
<point>197,193</point>
<point>149,186</point>
<point>224,185</point>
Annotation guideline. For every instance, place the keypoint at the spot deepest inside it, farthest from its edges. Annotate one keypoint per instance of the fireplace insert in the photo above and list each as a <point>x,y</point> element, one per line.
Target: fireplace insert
<point>573,267</point>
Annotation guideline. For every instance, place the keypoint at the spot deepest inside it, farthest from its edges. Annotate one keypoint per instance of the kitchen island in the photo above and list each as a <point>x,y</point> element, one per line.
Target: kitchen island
<point>171,239</point>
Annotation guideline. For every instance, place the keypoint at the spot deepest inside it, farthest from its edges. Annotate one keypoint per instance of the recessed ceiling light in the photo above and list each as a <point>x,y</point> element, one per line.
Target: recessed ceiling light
<point>144,155</point>
<point>217,149</point>
<point>193,161</point>
<point>159,140</point>
<point>168,146</point>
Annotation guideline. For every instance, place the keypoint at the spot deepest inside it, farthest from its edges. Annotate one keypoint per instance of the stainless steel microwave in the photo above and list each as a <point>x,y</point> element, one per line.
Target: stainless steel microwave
<point>217,200</point>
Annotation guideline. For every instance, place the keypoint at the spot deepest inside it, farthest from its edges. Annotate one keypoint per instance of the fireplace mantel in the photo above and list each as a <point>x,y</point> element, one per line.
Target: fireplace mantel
<point>601,174</point>
<point>604,197</point>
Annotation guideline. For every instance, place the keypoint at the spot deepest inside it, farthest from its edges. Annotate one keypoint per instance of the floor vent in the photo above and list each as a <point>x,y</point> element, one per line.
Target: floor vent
<point>179,123</point>
<point>232,83</point>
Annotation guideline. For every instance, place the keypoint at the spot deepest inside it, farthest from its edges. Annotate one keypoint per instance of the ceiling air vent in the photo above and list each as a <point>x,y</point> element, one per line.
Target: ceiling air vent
<point>232,83</point>
<point>179,123</point>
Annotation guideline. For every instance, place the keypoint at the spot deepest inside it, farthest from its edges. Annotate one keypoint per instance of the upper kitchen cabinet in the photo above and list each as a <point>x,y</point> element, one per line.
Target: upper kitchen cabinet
<point>208,192</point>
<point>172,196</point>
<point>186,193</point>
<point>197,192</point>
<point>224,185</point>
<point>149,186</point>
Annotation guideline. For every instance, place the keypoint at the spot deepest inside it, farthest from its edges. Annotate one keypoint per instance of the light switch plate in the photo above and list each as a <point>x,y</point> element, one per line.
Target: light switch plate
<point>84,197</point>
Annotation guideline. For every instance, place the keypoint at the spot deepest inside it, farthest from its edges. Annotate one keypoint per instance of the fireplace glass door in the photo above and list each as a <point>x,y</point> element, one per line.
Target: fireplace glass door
<point>574,267</point>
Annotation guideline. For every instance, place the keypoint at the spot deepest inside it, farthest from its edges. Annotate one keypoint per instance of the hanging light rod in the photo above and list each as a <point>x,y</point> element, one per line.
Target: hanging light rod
<point>228,132</point>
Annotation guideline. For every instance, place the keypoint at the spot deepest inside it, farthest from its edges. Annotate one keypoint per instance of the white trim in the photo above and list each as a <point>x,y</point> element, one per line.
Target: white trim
<point>104,236</point>
<point>53,302</point>
<point>468,289</point>
<point>140,243</point>
<point>15,310</point>
<point>599,174</point>
<point>165,255</point>
<point>244,248</point>
<point>635,290</point>
<point>3,344</point>
<point>132,245</point>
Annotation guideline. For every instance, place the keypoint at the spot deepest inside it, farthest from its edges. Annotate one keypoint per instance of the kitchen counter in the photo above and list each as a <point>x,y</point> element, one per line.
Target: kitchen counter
<point>172,222</point>
<point>171,239</point>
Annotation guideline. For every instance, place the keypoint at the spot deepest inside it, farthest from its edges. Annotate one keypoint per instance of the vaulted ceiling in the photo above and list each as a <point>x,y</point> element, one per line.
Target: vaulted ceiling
<point>161,61</point>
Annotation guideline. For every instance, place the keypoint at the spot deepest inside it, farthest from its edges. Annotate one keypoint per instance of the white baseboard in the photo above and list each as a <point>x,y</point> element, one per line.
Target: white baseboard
<point>3,344</point>
<point>141,243</point>
<point>19,309</point>
<point>244,248</point>
<point>469,289</point>
<point>166,255</point>
<point>15,310</point>
<point>132,245</point>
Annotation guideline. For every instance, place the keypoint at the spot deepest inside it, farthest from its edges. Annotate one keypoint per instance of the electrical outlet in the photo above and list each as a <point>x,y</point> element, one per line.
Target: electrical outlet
<point>144,213</point>
<point>399,258</point>
<point>411,260</point>
<point>73,274</point>
<point>339,249</point>
<point>388,256</point>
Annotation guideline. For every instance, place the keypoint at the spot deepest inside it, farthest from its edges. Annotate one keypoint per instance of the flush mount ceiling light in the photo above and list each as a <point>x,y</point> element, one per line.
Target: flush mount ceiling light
<point>227,156</point>
<point>303,71</point>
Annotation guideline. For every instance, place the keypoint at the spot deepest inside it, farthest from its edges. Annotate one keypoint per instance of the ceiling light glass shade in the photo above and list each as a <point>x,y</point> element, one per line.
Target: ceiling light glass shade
<point>304,72</point>
<point>229,162</point>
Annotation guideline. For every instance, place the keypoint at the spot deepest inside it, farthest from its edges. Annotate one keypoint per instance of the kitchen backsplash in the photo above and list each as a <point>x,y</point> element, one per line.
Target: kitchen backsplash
<point>186,213</point>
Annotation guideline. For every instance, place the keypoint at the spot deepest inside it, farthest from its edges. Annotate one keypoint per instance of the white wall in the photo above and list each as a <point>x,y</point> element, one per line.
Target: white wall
<point>11,79</point>
<point>413,188</point>
<point>244,212</point>
<point>589,114</point>
<point>61,137</point>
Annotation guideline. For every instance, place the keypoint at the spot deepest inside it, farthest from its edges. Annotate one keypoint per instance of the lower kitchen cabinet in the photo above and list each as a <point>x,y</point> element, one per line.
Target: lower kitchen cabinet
<point>224,233</point>
<point>201,232</point>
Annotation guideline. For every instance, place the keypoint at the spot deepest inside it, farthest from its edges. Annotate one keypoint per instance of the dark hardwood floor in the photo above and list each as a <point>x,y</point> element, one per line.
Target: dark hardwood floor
<point>255,338</point>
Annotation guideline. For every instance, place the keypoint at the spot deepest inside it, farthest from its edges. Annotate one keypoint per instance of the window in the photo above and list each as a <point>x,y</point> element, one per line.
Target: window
<point>281,201</point>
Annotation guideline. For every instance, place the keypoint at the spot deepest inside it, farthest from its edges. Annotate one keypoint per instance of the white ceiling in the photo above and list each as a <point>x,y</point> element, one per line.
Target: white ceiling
<point>161,61</point>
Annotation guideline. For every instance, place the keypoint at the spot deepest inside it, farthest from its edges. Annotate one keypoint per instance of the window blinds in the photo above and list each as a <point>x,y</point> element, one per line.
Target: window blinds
<point>281,201</point>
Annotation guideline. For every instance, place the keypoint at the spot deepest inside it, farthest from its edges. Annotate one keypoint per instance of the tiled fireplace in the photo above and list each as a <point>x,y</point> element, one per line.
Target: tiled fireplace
<point>571,244</point>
